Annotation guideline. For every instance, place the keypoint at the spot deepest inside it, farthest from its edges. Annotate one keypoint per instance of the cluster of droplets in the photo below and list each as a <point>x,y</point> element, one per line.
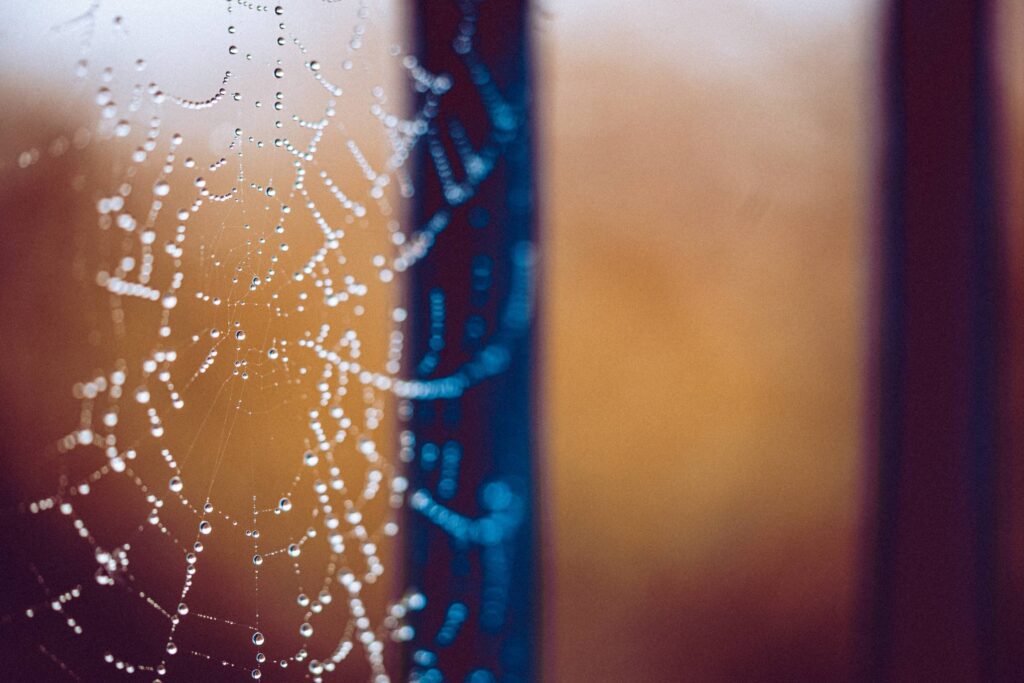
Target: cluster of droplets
<point>160,259</point>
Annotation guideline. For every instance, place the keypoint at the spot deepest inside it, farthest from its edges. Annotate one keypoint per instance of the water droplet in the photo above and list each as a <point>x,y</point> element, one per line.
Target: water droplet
<point>257,638</point>
<point>257,560</point>
<point>278,72</point>
<point>284,505</point>
<point>306,630</point>
<point>175,484</point>
<point>205,527</point>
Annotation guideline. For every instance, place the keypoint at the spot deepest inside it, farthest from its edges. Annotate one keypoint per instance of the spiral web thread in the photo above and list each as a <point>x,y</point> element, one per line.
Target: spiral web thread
<point>245,251</point>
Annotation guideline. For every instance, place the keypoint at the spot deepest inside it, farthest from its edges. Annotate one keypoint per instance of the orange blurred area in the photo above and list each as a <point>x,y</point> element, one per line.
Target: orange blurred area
<point>705,216</point>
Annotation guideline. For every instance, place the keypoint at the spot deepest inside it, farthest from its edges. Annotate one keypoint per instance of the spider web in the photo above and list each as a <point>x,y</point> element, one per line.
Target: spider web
<point>225,502</point>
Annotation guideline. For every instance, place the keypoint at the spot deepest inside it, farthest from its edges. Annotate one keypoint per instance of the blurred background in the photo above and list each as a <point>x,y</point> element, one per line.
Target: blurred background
<point>705,176</point>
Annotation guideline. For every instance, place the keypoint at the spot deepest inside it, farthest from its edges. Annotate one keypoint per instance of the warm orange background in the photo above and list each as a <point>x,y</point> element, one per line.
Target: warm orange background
<point>706,225</point>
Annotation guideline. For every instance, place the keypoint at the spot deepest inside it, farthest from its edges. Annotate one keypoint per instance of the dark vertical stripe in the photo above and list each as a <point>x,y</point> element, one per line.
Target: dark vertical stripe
<point>477,265</point>
<point>988,329</point>
<point>890,348</point>
<point>931,577</point>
